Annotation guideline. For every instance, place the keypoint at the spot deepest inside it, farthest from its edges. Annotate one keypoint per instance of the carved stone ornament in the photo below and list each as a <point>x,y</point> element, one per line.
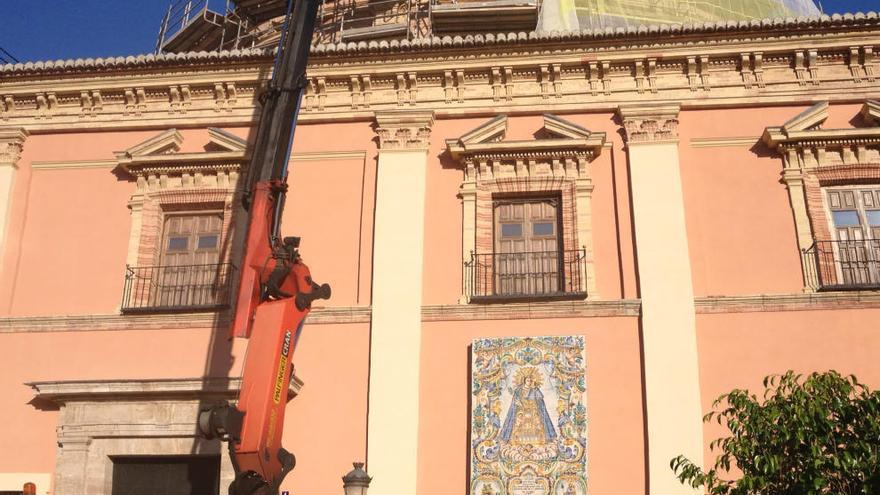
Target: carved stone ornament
<point>558,163</point>
<point>814,158</point>
<point>11,145</point>
<point>404,129</point>
<point>650,124</point>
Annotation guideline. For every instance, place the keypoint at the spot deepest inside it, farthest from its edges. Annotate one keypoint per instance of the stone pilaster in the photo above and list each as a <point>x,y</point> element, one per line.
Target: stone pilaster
<point>393,426</point>
<point>11,146</point>
<point>669,340</point>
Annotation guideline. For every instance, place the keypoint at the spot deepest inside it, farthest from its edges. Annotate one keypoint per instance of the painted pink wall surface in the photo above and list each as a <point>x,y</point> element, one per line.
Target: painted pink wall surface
<point>330,205</point>
<point>616,444</point>
<point>739,220</point>
<point>740,223</point>
<point>326,424</point>
<point>738,350</point>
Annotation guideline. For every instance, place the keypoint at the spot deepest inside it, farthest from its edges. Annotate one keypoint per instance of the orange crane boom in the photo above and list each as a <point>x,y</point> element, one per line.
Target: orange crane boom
<point>276,289</point>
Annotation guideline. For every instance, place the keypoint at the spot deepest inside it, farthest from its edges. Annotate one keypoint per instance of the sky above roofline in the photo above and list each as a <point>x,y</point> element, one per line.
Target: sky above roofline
<point>50,30</point>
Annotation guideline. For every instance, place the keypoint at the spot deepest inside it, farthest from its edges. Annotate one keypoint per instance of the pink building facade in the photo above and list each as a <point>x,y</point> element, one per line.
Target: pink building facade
<point>701,205</point>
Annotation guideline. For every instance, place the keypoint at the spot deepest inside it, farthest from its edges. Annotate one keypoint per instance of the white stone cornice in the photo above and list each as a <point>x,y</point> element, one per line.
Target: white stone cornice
<point>451,86</point>
<point>61,392</point>
<point>650,123</point>
<point>404,129</point>
<point>11,145</point>
<point>680,34</point>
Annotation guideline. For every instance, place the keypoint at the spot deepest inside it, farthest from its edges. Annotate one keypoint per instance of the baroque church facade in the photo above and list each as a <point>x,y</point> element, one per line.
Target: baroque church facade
<point>549,251</point>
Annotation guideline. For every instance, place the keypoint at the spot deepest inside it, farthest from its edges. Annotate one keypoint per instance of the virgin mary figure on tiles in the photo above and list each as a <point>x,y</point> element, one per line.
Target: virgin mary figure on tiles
<point>528,425</point>
<point>528,416</point>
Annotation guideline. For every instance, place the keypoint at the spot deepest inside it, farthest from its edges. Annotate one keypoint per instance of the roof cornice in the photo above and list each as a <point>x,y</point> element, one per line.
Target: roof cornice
<point>818,25</point>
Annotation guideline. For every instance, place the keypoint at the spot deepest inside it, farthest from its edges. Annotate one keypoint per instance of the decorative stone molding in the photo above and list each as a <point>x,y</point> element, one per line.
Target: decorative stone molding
<point>11,145</point>
<point>533,310</point>
<point>205,388</point>
<point>650,123</point>
<point>814,157</point>
<point>495,73</point>
<point>169,321</point>
<point>817,301</point>
<point>167,178</point>
<point>404,129</point>
<point>104,418</point>
<point>556,164</point>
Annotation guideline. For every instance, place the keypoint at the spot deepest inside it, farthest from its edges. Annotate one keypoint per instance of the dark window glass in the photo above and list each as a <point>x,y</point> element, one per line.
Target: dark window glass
<point>542,228</point>
<point>207,241</point>
<point>177,243</point>
<point>166,475</point>
<point>846,218</point>
<point>511,230</point>
<point>873,217</point>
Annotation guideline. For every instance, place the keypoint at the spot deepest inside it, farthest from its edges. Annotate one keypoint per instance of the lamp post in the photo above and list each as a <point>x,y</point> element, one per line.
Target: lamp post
<point>356,481</point>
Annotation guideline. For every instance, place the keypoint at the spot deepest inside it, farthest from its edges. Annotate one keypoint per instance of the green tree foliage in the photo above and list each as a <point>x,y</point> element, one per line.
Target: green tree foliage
<point>814,436</point>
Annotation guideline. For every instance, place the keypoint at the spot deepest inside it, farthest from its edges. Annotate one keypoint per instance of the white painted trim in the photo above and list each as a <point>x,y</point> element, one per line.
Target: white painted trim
<point>724,142</point>
<point>312,156</point>
<point>73,164</point>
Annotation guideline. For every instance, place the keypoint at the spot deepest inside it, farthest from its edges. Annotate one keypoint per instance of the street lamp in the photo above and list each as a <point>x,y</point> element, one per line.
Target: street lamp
<point>356,481</point>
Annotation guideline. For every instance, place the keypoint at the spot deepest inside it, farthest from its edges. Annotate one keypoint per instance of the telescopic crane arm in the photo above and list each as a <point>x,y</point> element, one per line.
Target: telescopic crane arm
<point>276,289</point>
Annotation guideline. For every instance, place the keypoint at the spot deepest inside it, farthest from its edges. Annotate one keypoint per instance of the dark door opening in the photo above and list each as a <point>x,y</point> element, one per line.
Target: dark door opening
<point>166,475</point>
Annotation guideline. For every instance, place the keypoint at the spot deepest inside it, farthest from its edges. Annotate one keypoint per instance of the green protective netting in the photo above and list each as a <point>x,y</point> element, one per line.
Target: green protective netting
<point>601,14</point>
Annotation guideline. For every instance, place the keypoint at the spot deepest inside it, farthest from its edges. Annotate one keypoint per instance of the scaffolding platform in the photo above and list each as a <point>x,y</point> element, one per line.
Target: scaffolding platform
<point>191,26</point>
<point>260,10</point>
<point>506,15</point>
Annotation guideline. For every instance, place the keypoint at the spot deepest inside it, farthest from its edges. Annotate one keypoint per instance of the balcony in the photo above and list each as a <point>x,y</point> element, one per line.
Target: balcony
<point>177,288</point>
<point>528,276</point>
<point>843,265</point>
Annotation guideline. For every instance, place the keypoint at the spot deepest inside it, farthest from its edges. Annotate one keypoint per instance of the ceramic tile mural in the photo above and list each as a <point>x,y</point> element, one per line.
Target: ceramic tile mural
<point>528,416</point>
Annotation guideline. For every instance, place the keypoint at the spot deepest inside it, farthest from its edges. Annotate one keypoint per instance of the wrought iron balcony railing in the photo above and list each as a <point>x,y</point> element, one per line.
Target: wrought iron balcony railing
<point>843,265</point>
<point>533,275</point>
<point>177,288</point>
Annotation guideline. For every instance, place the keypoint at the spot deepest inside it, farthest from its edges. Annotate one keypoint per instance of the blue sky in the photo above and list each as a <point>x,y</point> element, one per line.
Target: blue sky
<point>56,29</point>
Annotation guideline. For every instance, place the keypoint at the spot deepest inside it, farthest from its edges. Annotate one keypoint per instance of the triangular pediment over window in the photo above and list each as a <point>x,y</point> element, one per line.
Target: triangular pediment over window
<point>162,152</point>
<point>560,134</point>
<point>162,143</point>
<point>804,130</point>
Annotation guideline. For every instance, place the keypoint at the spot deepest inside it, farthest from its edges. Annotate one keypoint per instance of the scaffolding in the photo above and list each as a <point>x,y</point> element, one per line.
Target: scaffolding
<point>190,25</point>
<point>600,14</point>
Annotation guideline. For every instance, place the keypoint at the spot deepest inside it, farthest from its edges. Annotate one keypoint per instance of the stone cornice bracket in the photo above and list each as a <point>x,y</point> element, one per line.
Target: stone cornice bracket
<point>404,129</point>
<point>650,124</point>
<point>11,145</point>
<point>871,112</point>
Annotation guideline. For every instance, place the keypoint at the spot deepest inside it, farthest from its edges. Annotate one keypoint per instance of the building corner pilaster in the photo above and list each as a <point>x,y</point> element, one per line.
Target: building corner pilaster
<point>668,321</point>
<point>396,324</point>
<point>11,146</point>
